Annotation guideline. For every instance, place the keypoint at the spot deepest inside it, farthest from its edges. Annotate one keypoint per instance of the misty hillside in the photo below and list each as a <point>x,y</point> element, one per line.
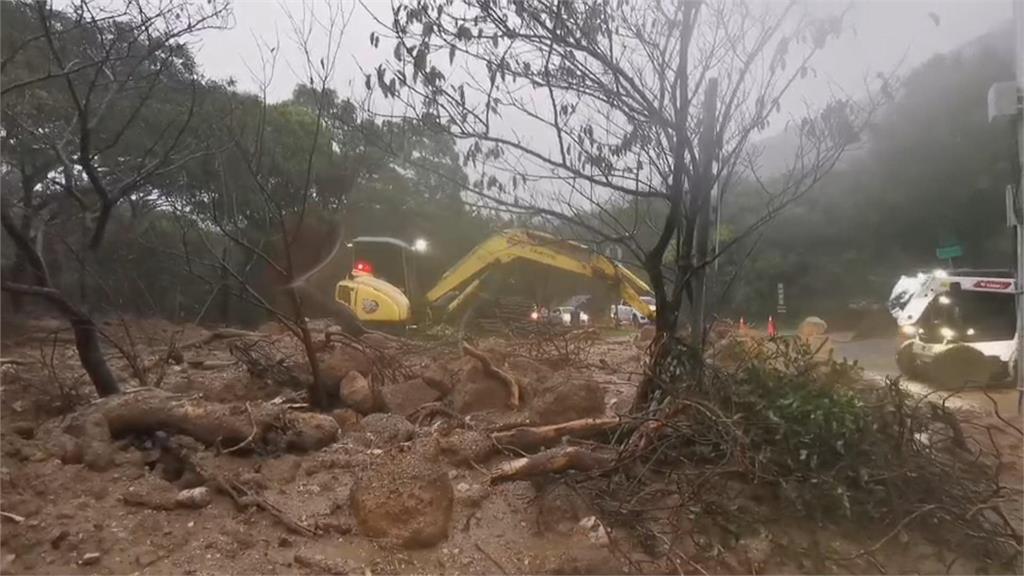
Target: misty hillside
<point>932,172</point>
<point>777,150</point>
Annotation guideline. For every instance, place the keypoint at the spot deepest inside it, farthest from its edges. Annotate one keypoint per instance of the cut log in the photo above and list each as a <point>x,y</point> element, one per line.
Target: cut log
<point>552,462</point>
<point>494,372</point>
<point>531,438</point>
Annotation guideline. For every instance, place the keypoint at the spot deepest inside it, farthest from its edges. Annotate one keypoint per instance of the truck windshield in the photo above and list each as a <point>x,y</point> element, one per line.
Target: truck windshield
<point>973,316</point>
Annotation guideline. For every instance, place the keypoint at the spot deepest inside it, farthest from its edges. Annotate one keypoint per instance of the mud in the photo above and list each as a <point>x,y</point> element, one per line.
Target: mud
<point>384,495</point>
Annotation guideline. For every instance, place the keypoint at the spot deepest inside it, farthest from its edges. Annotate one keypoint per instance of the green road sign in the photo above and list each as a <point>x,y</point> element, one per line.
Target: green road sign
<point>949,252</point>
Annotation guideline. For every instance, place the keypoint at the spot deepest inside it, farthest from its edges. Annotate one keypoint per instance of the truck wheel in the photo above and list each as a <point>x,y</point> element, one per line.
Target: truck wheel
<point>907,364</point>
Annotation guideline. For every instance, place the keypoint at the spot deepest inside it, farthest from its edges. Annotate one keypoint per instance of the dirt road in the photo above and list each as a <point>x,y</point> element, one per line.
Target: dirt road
<point>878,357</point>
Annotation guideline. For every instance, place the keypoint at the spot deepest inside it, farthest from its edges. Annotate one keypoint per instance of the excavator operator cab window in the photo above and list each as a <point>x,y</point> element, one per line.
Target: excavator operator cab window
<point>386,258</point>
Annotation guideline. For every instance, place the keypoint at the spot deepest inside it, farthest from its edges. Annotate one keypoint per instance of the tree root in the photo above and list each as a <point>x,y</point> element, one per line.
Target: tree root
<point>240,495</point>
<point>223,425</point>
<point>494,372</point>
<point>552,462</point>
<point>531,438</point>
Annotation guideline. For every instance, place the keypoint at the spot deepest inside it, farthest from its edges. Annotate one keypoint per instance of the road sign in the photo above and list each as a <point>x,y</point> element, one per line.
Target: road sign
<point>781,307</point>
<point>949,252</point>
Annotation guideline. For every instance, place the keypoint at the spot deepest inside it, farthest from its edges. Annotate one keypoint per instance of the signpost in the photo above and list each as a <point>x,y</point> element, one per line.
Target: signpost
<point>949,252</point>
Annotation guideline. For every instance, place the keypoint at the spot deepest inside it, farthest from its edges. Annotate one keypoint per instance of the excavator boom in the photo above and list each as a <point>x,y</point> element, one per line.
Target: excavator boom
<point>519,244</point>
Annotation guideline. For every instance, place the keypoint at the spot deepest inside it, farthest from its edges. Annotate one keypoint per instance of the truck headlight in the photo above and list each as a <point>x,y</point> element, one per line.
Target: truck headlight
<point>909,330</point>
<point>947,332</point>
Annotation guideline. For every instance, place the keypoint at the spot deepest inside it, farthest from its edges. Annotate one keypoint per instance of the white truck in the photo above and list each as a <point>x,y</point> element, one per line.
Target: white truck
<point>940,310</point>
<point>622,313</point>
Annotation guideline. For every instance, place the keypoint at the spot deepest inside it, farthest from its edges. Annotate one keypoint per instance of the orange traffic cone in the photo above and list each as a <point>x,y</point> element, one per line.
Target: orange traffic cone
<point>773,330</point>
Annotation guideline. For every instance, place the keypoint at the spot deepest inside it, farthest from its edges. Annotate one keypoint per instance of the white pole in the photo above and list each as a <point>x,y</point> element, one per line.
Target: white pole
<point>1018,16</point>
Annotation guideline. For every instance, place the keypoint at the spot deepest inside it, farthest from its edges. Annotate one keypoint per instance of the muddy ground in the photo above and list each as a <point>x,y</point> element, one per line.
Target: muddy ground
<point>399,491</point>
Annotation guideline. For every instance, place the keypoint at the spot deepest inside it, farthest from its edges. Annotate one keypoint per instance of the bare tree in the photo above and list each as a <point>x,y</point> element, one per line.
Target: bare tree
<point>92,118</point>
<point>268,191</point>
<point>618,118</point>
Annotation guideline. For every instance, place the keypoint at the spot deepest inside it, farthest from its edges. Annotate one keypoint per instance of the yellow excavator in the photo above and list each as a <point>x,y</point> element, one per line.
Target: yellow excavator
<point>382,287</point>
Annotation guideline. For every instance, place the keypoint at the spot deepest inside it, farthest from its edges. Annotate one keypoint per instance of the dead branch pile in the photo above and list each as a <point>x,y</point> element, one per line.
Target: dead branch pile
<point>828,446</point>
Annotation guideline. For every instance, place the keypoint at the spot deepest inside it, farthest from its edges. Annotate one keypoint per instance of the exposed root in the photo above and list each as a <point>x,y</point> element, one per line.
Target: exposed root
<point>552,462</point>
<point>242,496</point>
<point>494,372</point>
<point>531,438</point>
<point>213,424</point>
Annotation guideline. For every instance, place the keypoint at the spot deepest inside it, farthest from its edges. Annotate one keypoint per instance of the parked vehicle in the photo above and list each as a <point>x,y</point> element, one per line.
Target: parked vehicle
<point>623,313</point>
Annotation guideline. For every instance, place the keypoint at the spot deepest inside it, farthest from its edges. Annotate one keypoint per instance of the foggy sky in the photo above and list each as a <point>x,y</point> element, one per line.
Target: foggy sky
<point>882,33</point>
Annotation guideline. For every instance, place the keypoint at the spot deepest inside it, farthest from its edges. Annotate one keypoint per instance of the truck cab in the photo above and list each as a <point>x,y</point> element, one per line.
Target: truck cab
<point>941,310</point>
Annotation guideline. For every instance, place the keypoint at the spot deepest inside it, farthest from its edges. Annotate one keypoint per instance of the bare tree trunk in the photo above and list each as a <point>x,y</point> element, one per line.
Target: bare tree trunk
<point>87,343</point>
<point>708,144</point>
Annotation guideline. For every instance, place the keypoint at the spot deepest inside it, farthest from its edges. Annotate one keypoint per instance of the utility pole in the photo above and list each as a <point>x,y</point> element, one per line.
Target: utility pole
<point>1004,102</point>
<point>708,146</point>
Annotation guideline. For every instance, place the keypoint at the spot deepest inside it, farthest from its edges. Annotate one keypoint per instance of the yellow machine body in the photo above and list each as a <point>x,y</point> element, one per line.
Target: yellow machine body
<point>377,301</point>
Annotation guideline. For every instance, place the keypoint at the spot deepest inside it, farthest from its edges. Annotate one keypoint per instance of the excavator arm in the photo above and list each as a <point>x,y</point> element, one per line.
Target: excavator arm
<point>519,244</point>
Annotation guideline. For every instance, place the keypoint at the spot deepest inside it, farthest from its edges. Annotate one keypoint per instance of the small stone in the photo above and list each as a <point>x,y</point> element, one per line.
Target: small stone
<point>284,542</point>
<point>194,498</point>
<point>595,531</point>
<point>339,527</point>
<point>146,556</point>
<point>59,538</point>
<point>89,559</point>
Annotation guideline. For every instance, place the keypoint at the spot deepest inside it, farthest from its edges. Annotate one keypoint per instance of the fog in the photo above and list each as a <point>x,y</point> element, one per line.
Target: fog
<point>879,37</point>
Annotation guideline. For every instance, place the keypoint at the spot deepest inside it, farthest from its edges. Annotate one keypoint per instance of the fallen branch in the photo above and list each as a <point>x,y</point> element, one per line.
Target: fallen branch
<point>551,462</point>
<point>531,438</point>
<point>494,372</point>
<point>242,496</point>
<point>13,517</point>
<point>430,409</point>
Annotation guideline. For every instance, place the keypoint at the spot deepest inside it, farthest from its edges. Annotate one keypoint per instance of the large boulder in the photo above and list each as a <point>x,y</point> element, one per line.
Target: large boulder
<point>404,498</point>
<point>563,400</point>
<point>475,391</point>
<point>357,393</point>
<point>386,429</point>
<point>406,397</point>
<point>337,364</point>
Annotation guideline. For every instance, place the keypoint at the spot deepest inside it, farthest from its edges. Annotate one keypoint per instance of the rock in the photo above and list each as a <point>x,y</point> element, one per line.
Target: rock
<point>386,429</point>
<point>560,509</point>
<point>811,326</point>
<point>97,455</point>
<point>59,538</point>
<point>340,361</point>
<point>404,498</point>
<point>594,531</point>
<point>346,418</point>
<point>26,430</point>
<point>89,558</point>
<point>475,391</point>
<point>67,449</point>
<point>309,431</point>
<point>150,492</point>
<point>565,400</point>
<point>194,498</point>
<point>437,377</point>
<point>466,447</point>
<point>471,495</point>
<point>147,556</point>
<point>285,542</point>
<point>320,565</point>
<point>339,527</point>
<point>357,393</point>
<point>406,397</point>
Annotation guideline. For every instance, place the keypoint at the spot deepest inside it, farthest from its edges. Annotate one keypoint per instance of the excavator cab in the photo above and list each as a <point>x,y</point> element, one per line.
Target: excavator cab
<point>389,259</point>
<point>382,281</point>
